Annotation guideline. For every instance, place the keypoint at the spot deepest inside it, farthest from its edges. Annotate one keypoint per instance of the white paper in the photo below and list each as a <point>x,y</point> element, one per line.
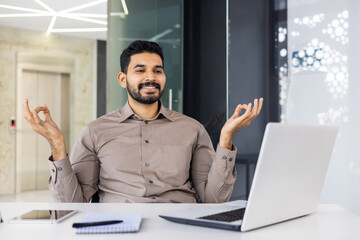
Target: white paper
<point>131,223</point>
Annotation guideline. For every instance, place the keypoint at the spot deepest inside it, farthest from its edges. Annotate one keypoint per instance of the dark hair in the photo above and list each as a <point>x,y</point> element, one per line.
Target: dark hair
<point>136,47</point>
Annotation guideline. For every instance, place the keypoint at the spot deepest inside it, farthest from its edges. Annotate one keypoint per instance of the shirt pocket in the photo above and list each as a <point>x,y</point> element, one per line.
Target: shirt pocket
<point>175,164</point>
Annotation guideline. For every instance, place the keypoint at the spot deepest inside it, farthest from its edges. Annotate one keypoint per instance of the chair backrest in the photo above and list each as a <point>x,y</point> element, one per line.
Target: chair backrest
<point>95,198</point>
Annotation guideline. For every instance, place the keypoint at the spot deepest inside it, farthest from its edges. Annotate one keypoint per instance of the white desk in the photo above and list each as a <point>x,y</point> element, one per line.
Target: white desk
<point>329,222</point>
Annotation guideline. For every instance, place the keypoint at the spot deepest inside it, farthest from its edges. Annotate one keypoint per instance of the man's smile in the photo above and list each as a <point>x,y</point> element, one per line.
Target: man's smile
<point>149,87</point>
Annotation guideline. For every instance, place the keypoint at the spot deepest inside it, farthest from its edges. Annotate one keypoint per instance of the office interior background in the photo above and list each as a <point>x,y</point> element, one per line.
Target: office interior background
<point>300,55</point>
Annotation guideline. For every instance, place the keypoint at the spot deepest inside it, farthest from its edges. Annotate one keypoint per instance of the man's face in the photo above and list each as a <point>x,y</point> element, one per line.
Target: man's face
<point>145,78</point>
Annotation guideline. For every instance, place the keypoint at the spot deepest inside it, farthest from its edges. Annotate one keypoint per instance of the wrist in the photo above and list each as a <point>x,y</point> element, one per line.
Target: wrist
<point>225,141</point>
<point>58,149</point>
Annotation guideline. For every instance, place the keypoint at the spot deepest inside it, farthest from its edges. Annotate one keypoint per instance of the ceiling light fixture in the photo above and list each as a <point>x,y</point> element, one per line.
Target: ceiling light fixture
<point>44,6</point>
<point>126,11</point>
<point>50,28</point>
<point>12,15</point>
<point>121,14</point>
<point>92,15</point>
<point>21,8</point>
<point>75,17</point>
<point>67,13</point>
<point>83,6</point>
<point>59,30</point>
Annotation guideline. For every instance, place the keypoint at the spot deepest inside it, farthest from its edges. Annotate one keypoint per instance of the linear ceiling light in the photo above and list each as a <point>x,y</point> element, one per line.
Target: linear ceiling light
<point>121,14</point>
<point>126,11</point>
<point>75,17</point>
<point>45,6</point>
<point>67,13</point>
<point>92,15</point>
<point>83,6</point>
<point>52,23</point>
<point>12,15</point>
<point>63,30</point>
<point>21,8</point>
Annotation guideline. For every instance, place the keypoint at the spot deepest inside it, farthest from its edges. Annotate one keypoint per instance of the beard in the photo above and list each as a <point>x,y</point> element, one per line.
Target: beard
<point>144,99</point>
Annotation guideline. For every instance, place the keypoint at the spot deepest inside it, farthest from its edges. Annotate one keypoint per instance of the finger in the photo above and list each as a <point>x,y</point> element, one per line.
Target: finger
<point>27,113</point>
<point>36,117</point>
<point>245,117</point>
<point>254,110</point>
<point>39,109</point>
<point>248,110</point>
<point>260,105</point>
<point>237,111</point>
<point>46,113</point>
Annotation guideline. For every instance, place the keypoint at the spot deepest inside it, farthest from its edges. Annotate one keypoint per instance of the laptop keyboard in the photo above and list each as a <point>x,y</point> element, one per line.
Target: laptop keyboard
<point>228,216</point>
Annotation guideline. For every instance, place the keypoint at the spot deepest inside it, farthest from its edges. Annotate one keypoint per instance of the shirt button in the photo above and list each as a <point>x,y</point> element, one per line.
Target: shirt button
<point>147,164</point>
<point>151,181</point>
<point>53,170</point>
<point>147,141</point>
<point>230,159</point>
<point>59,168</point>
<point>224,157</point>
<point>146,122</point>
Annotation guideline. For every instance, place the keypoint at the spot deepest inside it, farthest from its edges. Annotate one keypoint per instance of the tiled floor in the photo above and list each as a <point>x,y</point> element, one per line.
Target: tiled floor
<point>28,196</point>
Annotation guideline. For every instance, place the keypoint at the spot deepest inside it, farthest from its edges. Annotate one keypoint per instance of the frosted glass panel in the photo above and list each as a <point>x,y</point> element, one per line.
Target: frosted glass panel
<point>323,85</point>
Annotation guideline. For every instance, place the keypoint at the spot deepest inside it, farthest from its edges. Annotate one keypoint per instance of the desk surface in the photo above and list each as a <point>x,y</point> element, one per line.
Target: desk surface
<point>328,222</point>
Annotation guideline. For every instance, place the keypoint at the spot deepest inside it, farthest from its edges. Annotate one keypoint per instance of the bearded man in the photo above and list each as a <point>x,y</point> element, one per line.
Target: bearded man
<point>143,152</point>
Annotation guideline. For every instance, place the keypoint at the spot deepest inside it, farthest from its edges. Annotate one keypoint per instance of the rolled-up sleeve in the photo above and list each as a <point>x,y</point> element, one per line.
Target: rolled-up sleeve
<point>213,173</point>
<point>75,178</point>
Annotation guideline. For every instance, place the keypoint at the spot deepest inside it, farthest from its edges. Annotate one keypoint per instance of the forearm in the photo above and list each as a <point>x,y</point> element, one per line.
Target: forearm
<point>58,148</point>
<point>225,140</point>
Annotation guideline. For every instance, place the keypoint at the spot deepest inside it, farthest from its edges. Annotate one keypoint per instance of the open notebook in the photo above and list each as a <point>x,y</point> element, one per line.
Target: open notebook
<point>131,223</point>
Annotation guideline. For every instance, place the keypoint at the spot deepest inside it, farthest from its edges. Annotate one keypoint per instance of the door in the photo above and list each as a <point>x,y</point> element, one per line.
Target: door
<point>32,150</point>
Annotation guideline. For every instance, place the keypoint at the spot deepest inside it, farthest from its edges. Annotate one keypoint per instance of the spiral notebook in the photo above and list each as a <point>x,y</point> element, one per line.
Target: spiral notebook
<point>131,223</point>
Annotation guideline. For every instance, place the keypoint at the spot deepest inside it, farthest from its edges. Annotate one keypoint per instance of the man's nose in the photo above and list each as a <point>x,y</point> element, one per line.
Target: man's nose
<point>150,76</point>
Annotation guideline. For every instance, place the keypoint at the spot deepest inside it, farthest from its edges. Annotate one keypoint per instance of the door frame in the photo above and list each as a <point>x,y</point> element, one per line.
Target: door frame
<point>42,63</point>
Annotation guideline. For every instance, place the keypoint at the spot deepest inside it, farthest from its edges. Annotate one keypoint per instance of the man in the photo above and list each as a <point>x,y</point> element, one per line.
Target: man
<point>143,152</point>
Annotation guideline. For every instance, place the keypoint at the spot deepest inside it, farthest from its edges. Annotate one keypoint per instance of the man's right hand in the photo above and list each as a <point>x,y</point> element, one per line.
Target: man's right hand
<point>46,128</point>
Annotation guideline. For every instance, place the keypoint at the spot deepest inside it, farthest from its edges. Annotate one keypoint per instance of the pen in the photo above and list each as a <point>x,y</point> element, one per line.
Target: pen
<point>93,224</point>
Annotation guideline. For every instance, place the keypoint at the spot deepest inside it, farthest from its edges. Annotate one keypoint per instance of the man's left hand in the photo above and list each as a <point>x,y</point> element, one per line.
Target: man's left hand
<point>237,122</point>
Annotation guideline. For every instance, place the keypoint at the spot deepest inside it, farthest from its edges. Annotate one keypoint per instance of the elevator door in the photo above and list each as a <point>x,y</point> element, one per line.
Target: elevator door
<point>32,150</point>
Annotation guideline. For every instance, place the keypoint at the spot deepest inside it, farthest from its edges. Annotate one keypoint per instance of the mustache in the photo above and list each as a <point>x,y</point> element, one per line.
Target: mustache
<point>148,84</point>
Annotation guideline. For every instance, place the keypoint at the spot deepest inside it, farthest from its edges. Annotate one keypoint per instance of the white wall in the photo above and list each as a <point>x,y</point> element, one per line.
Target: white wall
<point>327,92</point>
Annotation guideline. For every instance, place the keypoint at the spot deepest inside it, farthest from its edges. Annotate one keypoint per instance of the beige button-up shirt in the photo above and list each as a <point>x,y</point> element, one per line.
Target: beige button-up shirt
<point>166,159</point>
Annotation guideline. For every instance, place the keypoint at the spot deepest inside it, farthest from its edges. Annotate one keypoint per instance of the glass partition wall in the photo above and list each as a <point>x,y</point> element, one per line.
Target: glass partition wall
<point>153,20</point>
<point>313,51</point>
<point>320,84</point>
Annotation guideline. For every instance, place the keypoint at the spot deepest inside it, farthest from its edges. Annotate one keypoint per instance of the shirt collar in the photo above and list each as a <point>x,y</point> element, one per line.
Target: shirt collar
<point>126,112</point>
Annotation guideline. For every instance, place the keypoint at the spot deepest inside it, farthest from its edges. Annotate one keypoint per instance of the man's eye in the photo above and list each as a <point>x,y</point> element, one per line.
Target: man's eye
<point>158,71</point>
<point>139,70</point>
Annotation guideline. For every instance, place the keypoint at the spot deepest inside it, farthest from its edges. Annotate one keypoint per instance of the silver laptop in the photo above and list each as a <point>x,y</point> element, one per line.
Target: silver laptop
<point>287,184</point>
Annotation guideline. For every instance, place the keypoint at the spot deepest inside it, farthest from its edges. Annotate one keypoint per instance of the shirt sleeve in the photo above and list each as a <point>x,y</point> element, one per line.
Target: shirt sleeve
<point>75,178</point>
<point>213,173</point>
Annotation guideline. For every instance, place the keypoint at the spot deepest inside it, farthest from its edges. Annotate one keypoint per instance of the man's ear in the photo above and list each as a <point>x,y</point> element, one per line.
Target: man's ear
<point>122,79</point>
